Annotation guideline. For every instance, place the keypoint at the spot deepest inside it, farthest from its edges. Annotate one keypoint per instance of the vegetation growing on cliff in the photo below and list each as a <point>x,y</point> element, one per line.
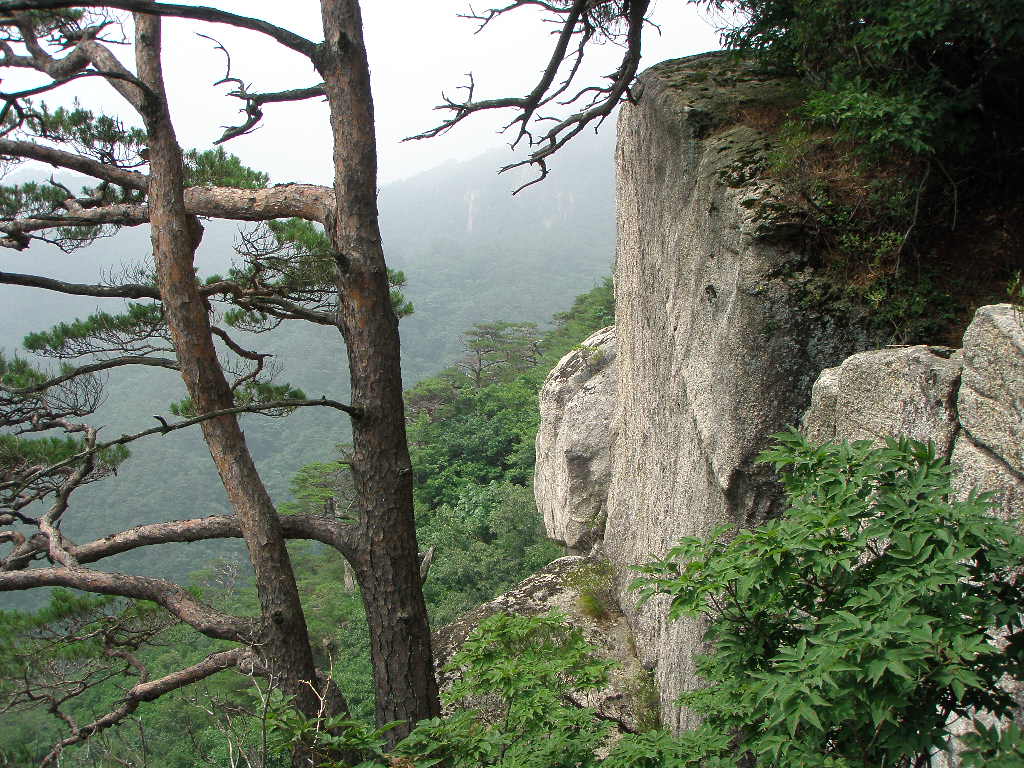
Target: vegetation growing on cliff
<point>935,79</point>
<point>902,150</point>
<point>854,629</point>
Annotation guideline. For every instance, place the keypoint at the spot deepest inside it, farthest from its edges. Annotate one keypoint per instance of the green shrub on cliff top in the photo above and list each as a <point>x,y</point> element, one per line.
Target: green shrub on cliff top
<point>935,77</point>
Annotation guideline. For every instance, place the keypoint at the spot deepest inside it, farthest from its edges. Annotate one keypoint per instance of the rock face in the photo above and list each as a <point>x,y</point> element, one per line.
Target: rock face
<point>716,348</point>
<point>969,402</point>
<point>716,351</point>
<point>989,452</point>
<point>627,698</point>
<point>573,442</point>
<point>908,391</point>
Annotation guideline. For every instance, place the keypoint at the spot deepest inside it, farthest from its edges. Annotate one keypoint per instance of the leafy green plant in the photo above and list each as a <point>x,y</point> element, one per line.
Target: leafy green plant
<point>593,356</point>
<point>901,154</point>
<point>591,605</point>
<point>523,669</point>
<point>852,629</point>
<point>991,747</point>
<point>288,732</point>
<point>215,167</point>
<point>642,689</point>
<point>595,583</point>
<point>895,75</point>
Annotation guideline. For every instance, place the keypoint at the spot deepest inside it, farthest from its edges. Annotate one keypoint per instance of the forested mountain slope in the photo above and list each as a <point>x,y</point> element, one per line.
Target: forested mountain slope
<point>472,449</point>
<point>464,261</point>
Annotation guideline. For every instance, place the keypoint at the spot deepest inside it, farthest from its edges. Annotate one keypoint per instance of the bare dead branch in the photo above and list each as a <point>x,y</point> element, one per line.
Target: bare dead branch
<point>149,691</point>
<point>254,101</point>
<point>235,347</point>
<point>201,13</point>
<point>49,524</point>
<point>125,76</point>
<point>275,306</point>
<point>267,405</point>
<point>126,291</point>
<point>579,20</point>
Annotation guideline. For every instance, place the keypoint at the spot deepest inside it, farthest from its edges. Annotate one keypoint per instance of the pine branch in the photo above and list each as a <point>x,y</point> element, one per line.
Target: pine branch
<point>126,291</point>
<point>173,598</point>
<point>307,201</point>
<point>62,159</point>
<point>83,370</point>
<point>326,530</point>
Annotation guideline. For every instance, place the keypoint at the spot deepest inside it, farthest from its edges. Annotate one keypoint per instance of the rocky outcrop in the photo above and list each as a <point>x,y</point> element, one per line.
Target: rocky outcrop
<point>969,402</point>
<point>716,348</point>
<point>882,393</point>
<point>559,586</point>
<point>989,454</point>
<point>718,342</point>
<point>573,443</point>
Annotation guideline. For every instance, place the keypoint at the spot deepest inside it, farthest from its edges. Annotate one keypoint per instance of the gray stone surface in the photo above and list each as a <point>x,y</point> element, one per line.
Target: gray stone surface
<point>989,453</point>
<point>573,441</point>
<point>908,391</point>
<point>969,402</point>
<point>716,352</point>
<point>556,587</point>
<point>976,468</point>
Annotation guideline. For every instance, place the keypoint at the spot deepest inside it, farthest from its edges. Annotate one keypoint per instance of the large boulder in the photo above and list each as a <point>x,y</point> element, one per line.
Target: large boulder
<point>989,452</point>
<point>573,442</point>
<point>969,402</point>
<point>908,391</point>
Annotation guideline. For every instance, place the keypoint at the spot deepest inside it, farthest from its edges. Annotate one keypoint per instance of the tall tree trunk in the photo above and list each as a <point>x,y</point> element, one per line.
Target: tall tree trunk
<point>284,642</point>
<point>386,566</point>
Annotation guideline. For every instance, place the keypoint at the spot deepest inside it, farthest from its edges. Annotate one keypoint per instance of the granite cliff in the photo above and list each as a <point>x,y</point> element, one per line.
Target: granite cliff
<point>650,430</point>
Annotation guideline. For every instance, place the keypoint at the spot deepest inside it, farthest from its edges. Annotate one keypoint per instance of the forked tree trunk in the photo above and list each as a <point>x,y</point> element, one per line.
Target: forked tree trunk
<point>386,565</point>
<point>284,642</point>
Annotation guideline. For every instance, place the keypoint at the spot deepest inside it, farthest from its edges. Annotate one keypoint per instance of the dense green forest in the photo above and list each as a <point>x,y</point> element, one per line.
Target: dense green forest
<point>478,515</point>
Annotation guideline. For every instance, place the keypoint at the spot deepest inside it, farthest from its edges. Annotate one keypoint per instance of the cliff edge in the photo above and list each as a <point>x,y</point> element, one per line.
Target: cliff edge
<point>716,349</point>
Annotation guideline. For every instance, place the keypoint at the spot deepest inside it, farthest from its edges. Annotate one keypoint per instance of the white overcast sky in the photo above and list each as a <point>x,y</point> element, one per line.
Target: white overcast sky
<point>416,49</point>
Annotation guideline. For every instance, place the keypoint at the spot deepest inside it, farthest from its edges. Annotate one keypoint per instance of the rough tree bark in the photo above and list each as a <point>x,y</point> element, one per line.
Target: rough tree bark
<point>380,543</point>
<point>284,640</point>
<point>386,563</point>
